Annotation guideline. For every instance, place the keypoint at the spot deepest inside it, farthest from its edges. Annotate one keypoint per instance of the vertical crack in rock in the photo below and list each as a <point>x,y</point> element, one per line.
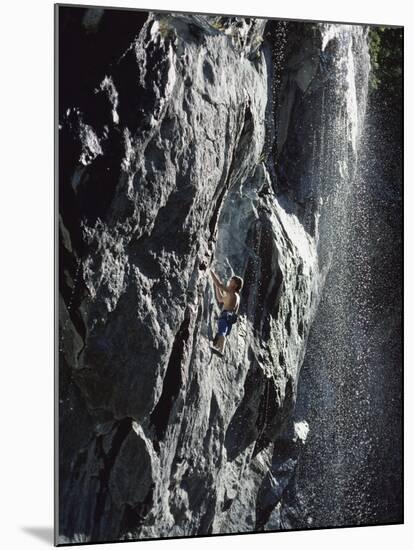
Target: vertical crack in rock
<point>172,381</point>
<point>246,132</point>
<point>108,459</point>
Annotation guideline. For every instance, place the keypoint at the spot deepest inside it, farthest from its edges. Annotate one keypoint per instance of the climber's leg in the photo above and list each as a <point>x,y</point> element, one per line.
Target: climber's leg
<point>220,337</point>
<point>221,342</point>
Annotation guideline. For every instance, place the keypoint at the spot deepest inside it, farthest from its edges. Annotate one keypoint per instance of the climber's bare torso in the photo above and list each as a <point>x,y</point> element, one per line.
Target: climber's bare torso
<point>226,294</point>
<point>229,299</point>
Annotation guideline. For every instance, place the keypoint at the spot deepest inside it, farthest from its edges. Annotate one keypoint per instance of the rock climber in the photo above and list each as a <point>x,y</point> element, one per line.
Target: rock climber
<point>229,296</point>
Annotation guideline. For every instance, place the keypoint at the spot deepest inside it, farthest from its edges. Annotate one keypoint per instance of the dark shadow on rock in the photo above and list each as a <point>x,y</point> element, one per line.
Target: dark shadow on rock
<point>242,430</point>
<point>42,533</point>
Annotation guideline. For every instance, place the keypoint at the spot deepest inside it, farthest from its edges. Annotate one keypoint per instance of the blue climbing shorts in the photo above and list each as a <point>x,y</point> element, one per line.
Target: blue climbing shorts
<point>225,322</point>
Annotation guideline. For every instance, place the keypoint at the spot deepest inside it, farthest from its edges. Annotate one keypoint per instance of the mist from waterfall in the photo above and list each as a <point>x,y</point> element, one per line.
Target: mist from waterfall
<point>346,63</point>
<point>346,476</point>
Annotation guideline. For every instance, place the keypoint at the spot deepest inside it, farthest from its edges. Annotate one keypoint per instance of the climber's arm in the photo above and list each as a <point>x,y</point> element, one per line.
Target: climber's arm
<point>218,293</point>
<point>217,282</point>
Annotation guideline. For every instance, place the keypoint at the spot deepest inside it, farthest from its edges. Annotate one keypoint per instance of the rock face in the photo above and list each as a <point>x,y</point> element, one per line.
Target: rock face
<point>162,175</point>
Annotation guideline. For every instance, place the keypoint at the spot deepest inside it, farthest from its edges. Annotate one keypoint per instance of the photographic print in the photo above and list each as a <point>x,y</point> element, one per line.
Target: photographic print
<point>229,273</point>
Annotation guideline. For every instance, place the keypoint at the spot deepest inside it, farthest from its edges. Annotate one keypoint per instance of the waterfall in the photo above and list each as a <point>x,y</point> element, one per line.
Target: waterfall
<point>345,64</point>
<point>343,477</point>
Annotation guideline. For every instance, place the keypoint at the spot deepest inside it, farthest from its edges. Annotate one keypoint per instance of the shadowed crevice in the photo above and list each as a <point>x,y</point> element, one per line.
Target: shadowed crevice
<point>172,381</point>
